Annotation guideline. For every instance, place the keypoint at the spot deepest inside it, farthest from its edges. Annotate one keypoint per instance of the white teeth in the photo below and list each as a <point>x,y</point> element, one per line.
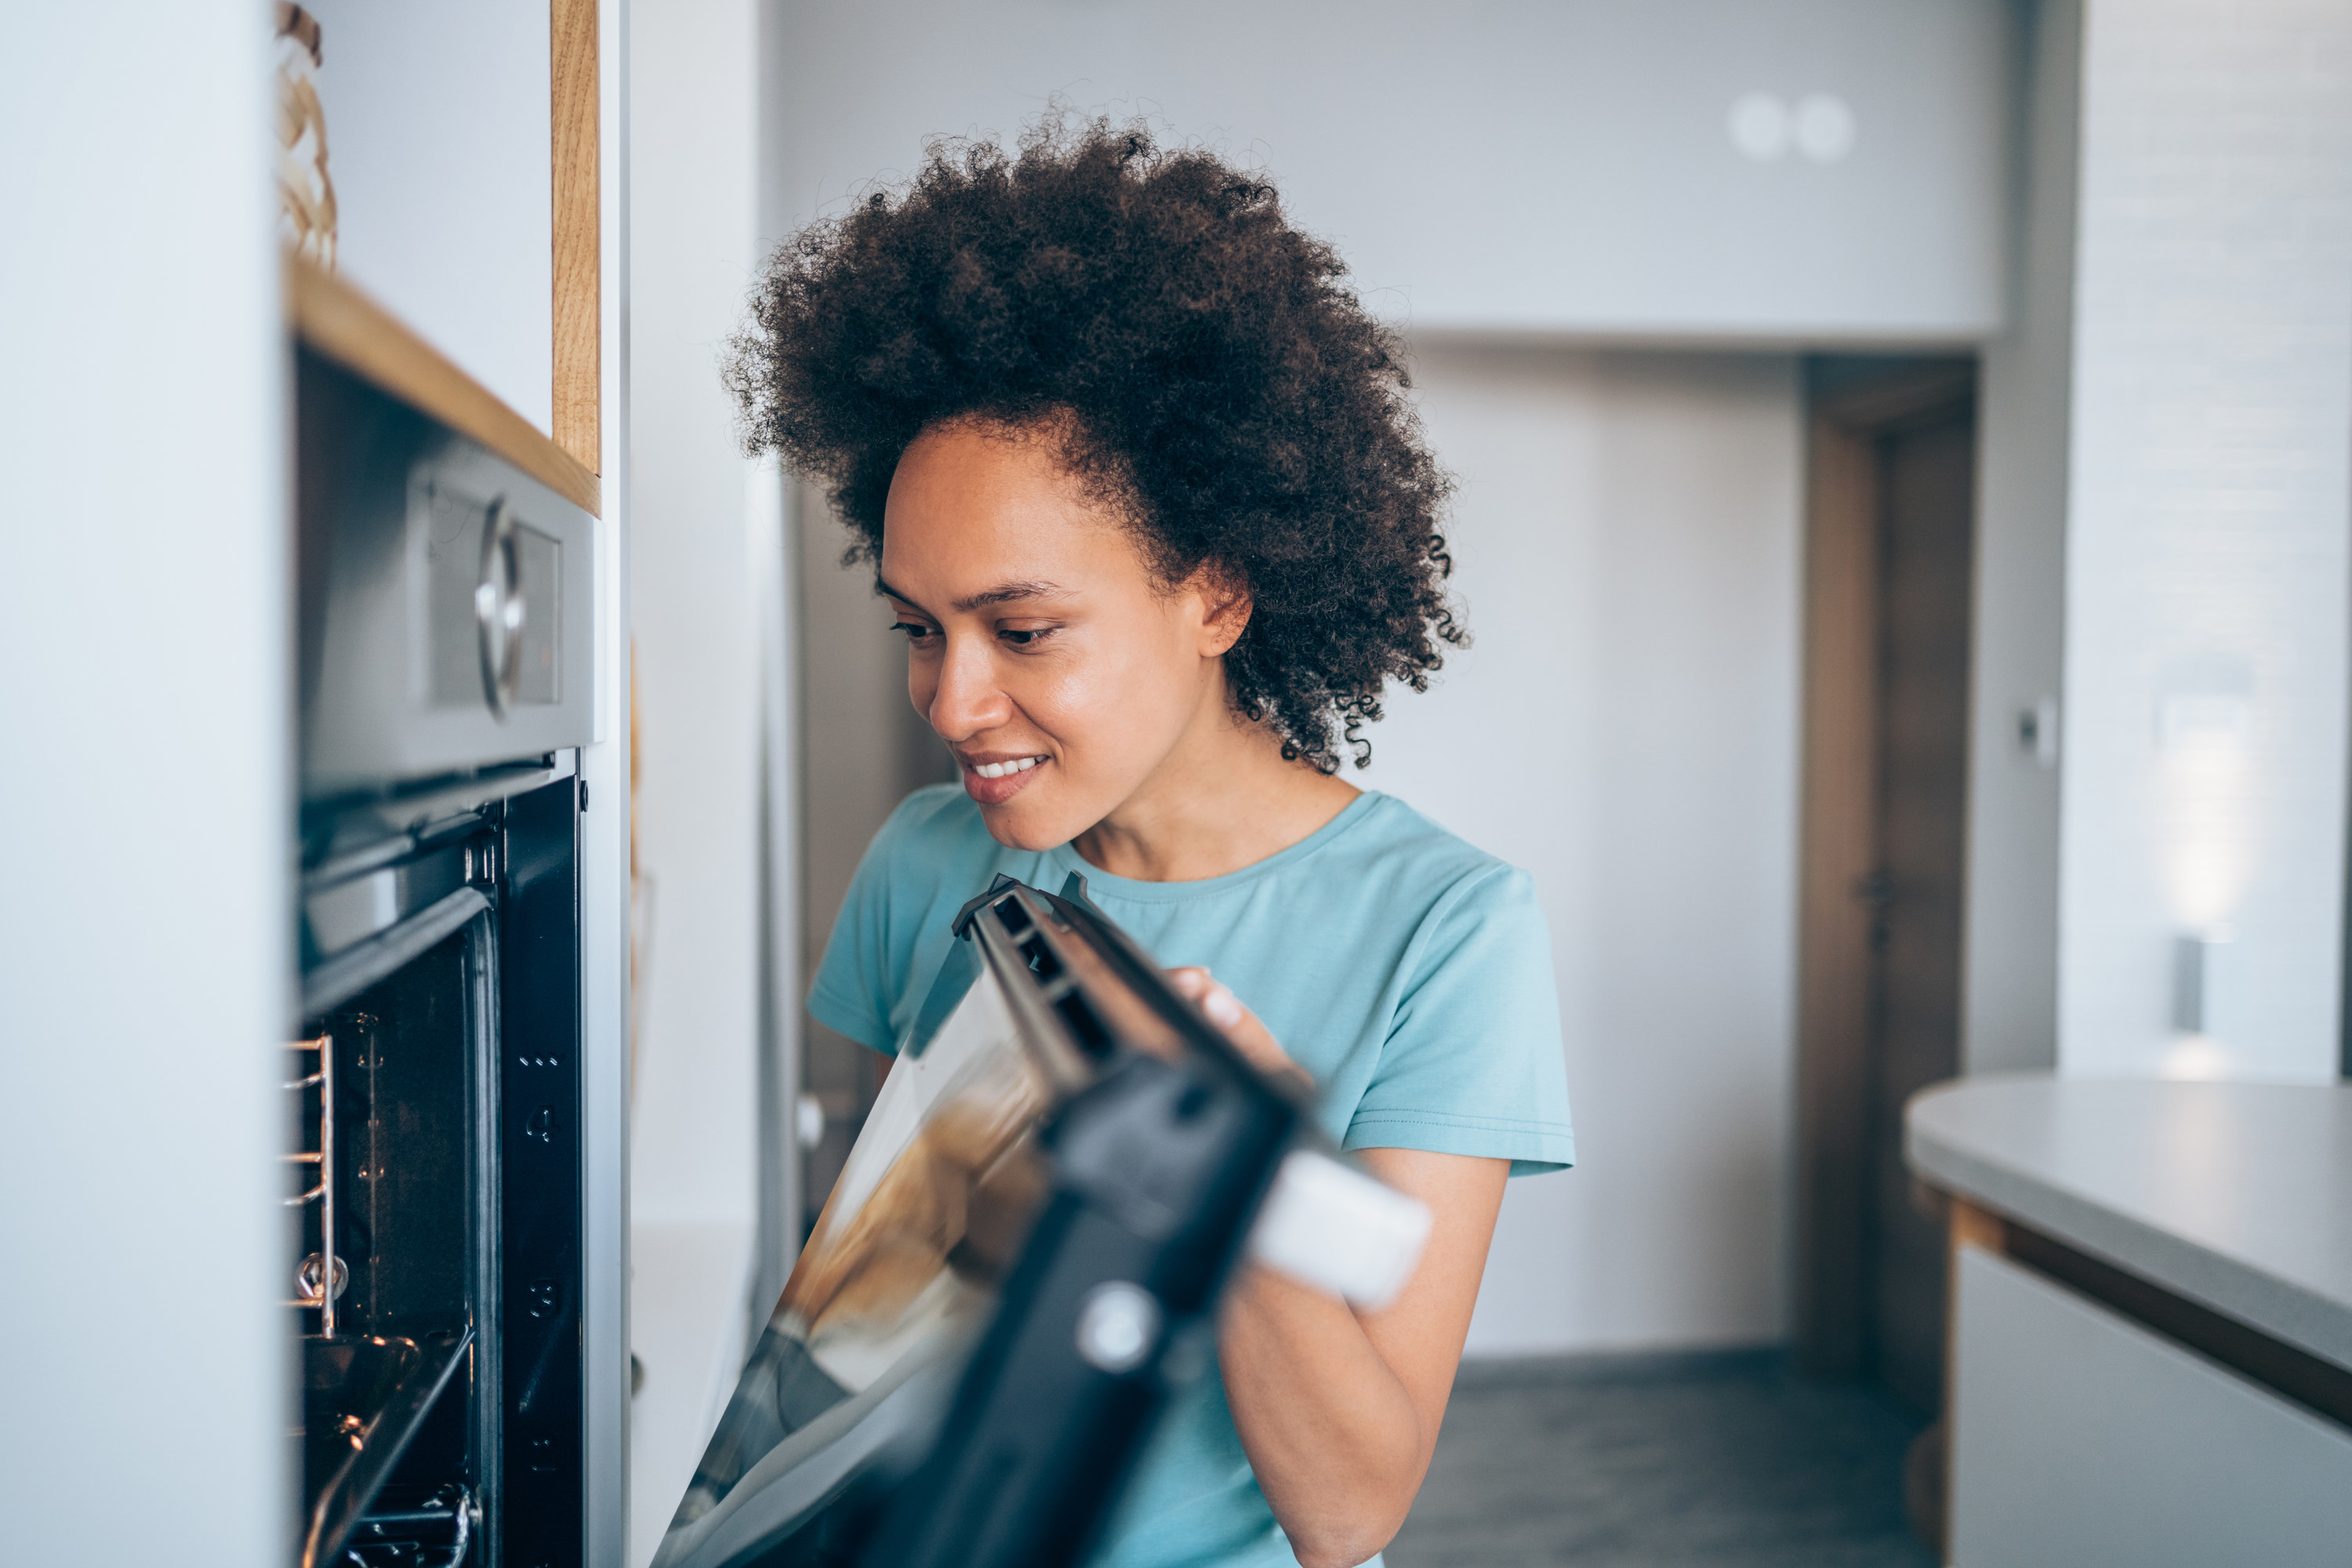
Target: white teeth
<point>1026,763</point>
<point>1000,770</point>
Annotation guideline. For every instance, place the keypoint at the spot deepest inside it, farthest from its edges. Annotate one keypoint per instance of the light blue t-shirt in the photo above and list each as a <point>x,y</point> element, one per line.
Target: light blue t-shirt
<point>1407,971</point>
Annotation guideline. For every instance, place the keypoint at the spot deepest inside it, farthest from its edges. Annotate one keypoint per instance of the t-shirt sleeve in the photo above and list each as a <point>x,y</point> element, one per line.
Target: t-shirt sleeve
<point>1473,1063</point>
<point>852,993</point>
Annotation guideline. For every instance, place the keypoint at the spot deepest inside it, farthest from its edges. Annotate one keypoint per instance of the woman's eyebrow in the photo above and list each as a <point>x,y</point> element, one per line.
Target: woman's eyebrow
<point>1003,594</point>
<point>884,590</point>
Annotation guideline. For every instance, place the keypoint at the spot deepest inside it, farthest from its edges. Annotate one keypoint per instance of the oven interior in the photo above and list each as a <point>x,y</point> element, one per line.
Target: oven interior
<point>396,1452</point>
<point>433,1159</point>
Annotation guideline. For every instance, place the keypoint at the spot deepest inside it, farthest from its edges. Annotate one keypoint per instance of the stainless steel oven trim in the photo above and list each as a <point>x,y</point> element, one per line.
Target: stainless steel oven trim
<point>422,812</point>
<point>348,974</point>
<point>487,1208</point>
<point>339,915</point>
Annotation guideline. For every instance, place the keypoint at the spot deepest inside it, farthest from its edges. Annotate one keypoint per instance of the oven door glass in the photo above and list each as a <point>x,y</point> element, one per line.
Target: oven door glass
<point>852,1375</point>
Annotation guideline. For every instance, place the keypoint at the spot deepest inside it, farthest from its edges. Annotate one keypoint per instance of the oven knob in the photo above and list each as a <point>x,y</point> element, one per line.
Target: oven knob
<point>499,609</point>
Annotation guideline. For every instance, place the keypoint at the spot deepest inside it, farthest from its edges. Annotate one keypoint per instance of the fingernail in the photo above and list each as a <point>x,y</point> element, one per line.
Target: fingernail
<point>1221,1007</point>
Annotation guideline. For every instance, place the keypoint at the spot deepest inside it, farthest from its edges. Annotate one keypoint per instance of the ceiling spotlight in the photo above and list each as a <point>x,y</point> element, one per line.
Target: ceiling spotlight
<point>1824,127</point>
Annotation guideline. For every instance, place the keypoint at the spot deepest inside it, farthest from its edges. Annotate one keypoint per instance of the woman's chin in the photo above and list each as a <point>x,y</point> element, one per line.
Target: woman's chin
<point>1018,828</point>
<point>1030,818</point>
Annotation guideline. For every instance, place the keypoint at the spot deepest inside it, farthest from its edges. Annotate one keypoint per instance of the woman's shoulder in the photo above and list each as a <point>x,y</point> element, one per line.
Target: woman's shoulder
<point>1404,843</point>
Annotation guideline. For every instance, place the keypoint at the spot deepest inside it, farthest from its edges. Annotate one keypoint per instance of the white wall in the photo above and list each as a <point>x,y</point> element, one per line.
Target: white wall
<point>1625,728</point>
<point>145,701</point>
<point>2009,1006</point>
<point>701,557</point>
<point>438,142</point>
<point>2209,535</point>
<point>694,601</point>
<point>1545,165</point>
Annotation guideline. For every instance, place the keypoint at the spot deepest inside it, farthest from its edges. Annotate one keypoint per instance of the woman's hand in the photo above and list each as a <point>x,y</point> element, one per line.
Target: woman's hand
<point>1338,1410</point>
<point>1252,1038</point>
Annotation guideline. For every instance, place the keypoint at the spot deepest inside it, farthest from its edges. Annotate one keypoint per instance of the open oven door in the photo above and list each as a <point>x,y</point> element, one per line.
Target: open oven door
<point>1019,1263</point>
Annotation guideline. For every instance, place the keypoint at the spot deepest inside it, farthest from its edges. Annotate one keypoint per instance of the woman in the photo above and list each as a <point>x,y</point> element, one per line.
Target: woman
<point>1145,499</point>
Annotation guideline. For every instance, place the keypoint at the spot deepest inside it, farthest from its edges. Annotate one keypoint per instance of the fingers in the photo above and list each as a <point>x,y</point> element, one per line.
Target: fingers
<point>1223,1007</point>
<point>1241,1026</point>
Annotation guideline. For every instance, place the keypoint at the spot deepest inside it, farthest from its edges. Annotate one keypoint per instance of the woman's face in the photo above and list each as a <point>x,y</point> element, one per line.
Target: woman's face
<point>1039,646</point>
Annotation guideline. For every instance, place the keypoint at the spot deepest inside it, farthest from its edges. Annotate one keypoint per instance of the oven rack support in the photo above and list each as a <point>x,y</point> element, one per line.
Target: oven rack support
<point>318,1279</point>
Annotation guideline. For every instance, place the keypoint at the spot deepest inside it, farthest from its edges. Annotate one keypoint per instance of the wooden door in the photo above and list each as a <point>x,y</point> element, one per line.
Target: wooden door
<point>1927,491</point>
<point>1890,553</point>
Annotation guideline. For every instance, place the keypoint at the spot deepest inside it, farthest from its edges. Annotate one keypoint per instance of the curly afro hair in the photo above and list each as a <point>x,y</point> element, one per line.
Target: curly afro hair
<point>1201,361</point>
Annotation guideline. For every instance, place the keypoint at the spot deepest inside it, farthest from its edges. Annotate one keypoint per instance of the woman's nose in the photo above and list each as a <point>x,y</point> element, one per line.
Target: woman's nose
<point>967,700</point>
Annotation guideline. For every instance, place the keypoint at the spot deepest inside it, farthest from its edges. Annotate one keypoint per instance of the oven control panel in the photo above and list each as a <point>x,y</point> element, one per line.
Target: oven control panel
<point>448,598</point>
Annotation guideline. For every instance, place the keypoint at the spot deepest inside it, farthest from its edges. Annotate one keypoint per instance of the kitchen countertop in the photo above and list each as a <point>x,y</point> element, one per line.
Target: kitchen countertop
<point>2235,1195</point>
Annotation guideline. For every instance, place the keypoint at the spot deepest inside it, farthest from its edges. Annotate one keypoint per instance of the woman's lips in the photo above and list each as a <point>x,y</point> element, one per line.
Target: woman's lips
<point>998,790</point>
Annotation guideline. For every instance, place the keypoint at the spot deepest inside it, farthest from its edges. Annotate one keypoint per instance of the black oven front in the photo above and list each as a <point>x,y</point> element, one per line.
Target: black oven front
<point>434,1263</point>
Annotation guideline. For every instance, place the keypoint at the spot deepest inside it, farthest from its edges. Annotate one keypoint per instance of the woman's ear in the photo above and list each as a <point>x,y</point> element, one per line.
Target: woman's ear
<point>1225,600</point>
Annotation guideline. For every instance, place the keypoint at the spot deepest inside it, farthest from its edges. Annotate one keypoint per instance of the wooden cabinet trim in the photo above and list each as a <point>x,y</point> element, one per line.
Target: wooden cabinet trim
<point>578,339</point>
<point>345,325</point>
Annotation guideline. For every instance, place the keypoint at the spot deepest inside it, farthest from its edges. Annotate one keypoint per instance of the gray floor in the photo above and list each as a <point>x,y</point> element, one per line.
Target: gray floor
<point>1720,1461</point>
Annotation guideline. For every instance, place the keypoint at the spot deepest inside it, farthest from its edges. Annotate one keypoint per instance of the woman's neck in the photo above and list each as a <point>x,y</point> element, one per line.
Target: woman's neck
<point>1225,798</point>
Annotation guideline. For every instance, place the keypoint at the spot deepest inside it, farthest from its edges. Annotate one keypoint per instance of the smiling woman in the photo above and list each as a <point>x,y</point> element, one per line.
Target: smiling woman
<point>1202,366</point>
<point>1145,500</point>
<point>1076,691</point>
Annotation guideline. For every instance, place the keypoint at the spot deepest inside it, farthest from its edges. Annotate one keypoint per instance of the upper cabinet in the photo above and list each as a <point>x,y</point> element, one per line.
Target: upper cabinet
<point>442,157</point>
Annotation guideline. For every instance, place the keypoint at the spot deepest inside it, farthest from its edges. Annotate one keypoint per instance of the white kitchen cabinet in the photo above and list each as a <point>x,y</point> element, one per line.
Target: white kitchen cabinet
<point>2080,1437</point>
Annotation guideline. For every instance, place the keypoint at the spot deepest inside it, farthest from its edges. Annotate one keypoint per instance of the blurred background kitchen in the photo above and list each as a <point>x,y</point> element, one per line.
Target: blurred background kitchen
<point>1906,519</point>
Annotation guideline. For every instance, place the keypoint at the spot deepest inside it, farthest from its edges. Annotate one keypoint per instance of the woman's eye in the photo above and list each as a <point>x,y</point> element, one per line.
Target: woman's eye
<point>916,631</point>
<point>1021,638</point>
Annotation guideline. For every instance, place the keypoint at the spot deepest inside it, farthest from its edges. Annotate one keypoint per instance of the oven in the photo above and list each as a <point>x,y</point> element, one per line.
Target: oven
<point>436,1257</point>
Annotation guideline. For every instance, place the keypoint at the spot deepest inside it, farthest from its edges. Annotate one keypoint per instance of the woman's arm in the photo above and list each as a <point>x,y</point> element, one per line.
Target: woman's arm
<point>1338,1410</point>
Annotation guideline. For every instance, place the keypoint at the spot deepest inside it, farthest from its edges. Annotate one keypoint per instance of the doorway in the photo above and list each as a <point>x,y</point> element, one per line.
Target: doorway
<point>1890,555</point>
